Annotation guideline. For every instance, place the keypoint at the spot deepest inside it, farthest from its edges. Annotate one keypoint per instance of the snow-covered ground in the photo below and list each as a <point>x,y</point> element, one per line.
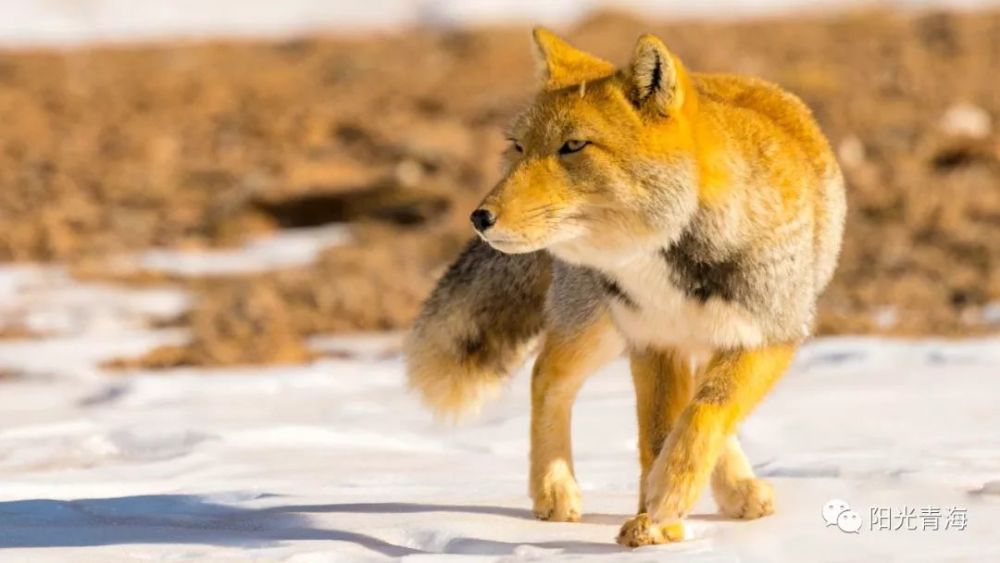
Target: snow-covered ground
<point>287,248</point>
<point>69,22</point>
<point>334,461</point>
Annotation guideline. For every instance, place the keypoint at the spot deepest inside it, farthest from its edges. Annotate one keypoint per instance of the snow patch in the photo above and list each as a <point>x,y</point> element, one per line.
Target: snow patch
<point>71,22</point>
<point>287,248</point>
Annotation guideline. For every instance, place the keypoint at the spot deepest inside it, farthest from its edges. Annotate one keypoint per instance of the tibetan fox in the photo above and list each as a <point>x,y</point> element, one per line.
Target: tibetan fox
<point>690,220</point>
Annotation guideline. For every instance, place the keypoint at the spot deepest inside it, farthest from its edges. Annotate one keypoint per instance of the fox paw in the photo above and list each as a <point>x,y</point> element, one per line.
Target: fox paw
<point>558,500</point>
<point>747,499</point>
<point>641,530</point>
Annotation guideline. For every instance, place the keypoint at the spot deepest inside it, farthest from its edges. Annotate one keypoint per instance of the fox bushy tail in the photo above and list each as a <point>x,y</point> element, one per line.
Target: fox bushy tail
<point>477,327</point>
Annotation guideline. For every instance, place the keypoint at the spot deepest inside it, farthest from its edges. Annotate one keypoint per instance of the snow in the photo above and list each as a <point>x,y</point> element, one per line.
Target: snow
<point>71,22</point>
<point>335,461</point>
<point>287,248</point>
<point>84,324</point>
<point>47,299</point>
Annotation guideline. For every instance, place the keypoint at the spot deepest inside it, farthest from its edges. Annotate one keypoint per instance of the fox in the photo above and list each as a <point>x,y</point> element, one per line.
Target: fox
<point>688,220</point>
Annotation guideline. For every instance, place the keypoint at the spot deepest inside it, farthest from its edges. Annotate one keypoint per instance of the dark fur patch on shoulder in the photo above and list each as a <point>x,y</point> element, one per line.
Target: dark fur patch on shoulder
<point>615,291</point>
<point>698,276</point>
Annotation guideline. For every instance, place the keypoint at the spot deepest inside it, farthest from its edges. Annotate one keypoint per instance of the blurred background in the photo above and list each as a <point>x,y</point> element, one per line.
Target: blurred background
<point>241,179</point>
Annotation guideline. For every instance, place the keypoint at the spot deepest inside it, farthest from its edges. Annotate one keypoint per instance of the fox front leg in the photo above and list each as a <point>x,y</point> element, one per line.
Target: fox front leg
<point>567,358</point>
<point>663,388</point>
<point>663,382</point>
<point>735,381</point>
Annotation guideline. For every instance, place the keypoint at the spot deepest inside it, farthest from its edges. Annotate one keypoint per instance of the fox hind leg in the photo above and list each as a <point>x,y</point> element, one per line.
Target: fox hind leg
<point>737,491</point>
<point>567,358</point>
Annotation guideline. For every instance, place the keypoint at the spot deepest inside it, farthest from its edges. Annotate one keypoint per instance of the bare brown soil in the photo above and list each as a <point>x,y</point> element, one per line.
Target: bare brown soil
<point>105,151</point>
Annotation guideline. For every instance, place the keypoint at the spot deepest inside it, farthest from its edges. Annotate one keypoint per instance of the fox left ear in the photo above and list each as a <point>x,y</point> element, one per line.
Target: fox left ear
<point>656,77</point>
<point>561,64</point>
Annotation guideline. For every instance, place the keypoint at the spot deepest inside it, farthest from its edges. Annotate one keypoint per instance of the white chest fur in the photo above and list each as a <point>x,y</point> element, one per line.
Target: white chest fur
<point>662,315</point>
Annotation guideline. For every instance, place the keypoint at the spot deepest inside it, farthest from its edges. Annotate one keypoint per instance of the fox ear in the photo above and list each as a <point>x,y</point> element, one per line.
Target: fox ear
<point>561,64</point>
<point>656,77</point>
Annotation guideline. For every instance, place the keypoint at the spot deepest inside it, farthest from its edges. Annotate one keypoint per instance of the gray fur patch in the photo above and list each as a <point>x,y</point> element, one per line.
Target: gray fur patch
<point>698,275</point>
<point>576,297</point>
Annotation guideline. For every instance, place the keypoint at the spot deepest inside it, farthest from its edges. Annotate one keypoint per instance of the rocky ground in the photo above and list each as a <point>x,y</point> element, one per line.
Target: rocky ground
<point>106,152</point>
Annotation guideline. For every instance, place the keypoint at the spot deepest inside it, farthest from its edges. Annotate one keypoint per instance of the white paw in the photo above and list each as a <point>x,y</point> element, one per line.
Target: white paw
<point>558,500</point>
<point>747,499</point>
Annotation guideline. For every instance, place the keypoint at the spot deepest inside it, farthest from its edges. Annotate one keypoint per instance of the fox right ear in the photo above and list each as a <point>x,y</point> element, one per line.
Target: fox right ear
<point>561,64</point>
<point>656,77</point>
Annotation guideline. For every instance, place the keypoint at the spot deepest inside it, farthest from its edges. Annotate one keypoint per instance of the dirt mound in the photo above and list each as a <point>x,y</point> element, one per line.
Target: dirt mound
<point>113,150</point>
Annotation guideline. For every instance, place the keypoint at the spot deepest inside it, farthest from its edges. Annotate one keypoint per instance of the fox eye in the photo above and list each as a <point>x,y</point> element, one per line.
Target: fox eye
<point>572,146</point>
<point>517,146</point>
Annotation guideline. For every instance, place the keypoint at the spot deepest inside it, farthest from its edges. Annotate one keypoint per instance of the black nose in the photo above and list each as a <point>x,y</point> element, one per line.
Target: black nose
<point>482,220</point>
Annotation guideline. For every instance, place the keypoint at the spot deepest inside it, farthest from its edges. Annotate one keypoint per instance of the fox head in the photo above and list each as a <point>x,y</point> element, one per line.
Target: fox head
<point>602,161</point>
